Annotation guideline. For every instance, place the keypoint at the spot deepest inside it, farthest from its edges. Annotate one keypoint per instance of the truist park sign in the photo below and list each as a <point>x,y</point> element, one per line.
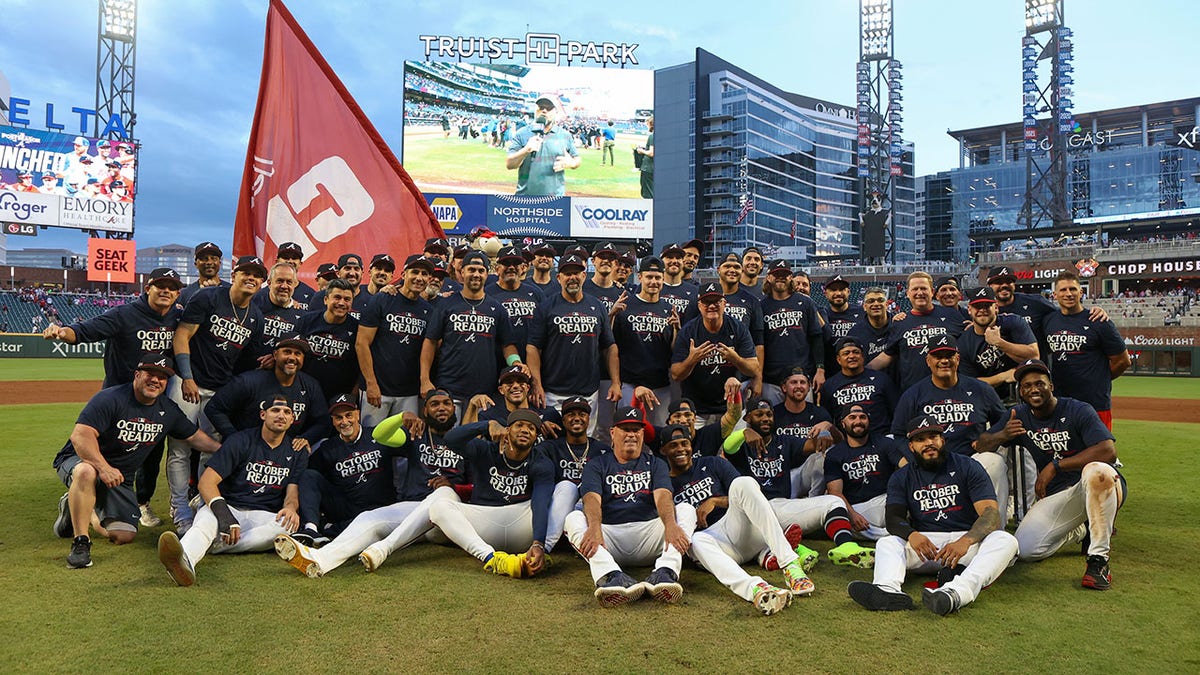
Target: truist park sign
<point>537,49</point>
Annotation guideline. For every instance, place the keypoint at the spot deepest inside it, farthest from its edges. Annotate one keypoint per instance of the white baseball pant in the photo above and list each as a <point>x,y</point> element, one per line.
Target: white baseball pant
<point>481,530</point>
<point>809,479</point>
<point>1054,520</point>
<point>809,512</point>
<point>996,465</point>
<point>747,526</point>
<point>388,406</point>
<point>638,544</point>
<point>399,524</point>
<point>564,501</point>
<point>985,562</point>
<point>259,529</point>
<point>179,452</point>
<point>874,511</point>
<point>659,415</point>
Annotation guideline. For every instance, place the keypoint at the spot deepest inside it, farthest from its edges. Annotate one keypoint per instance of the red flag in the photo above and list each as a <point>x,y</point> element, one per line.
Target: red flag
<point>793,227</point>
<point>317,172</point>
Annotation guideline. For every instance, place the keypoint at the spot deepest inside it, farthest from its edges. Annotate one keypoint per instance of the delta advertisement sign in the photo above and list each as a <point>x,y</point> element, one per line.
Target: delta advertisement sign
<point>61,180</point>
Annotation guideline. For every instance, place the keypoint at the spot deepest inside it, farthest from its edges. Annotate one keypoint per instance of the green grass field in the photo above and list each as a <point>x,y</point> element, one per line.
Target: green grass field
<point>431,608</point>
<point>452,165</point>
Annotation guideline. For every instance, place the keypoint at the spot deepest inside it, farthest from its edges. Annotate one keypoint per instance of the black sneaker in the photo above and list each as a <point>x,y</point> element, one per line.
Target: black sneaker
<point>617,588</point>
<point>62,524</point>
<point>306,536</point>
<point>942,601</point>
<point>877,599</point>
<point>947,574</point>
<point>1097,575</point>
<point>81,553</point>
<point>663,584</point>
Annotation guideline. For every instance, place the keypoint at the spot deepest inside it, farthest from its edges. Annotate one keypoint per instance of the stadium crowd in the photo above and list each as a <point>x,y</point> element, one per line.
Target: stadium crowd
<point>506,404</point>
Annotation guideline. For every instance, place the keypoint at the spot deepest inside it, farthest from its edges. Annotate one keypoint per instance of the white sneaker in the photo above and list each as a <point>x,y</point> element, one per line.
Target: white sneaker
<point>149,518</point>
<point>372,557</point>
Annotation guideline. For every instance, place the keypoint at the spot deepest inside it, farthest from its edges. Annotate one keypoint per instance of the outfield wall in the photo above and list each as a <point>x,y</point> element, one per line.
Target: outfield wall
<point>35,347</point>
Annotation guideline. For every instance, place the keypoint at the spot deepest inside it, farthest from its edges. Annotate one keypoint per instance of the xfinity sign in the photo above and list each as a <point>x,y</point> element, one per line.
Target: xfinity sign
<point>538,49</point>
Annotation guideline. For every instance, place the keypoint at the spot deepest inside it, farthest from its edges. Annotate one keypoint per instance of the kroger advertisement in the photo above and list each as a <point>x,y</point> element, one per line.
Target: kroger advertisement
<point>534,151</point>
<point>64,180</point>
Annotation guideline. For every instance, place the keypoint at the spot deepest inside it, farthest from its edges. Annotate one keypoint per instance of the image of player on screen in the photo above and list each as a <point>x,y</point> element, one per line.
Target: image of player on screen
<point>541,152</point>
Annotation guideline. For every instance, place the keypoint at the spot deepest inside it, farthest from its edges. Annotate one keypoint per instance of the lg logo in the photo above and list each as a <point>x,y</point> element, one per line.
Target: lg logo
<point>329,199</point>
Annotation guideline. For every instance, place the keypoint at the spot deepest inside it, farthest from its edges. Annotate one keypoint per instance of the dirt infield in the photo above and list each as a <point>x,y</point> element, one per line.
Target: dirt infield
<point>79,391</point>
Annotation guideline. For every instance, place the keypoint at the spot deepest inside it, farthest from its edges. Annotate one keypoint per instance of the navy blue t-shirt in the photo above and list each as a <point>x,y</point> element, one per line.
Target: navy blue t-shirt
<point>644,337</point>
<point>772,468</point>
<point>255,476</point>
<point>873,339</point>
<point>1072,427</point>
<point>128,430</point>
<point>569,459</point>
<point>943,501</point>
<point>130,330</point>
<point>473,335</point>
<point>1079,351</point>
<point>966,409</point>
<point>549,288</point>
<point>235,406</point>
<point>186,293</point>
<point>626,489</point>
<point>864,471</point>
<point>683,298</point>
<point>399,325</point>
<point>497,480</point>
<point>302,294</point>
<point>429,458</point>
<point>520,305</point>
<point>1032,308</point>
<point>332,359</point>
<point>746,308</point>
<point>980,359</point>
<point>706,441</point>
<point>706,384</point>
<point>788,325</point>
<point>223,333</point>
<point>709,477</point>
<point>799,425</point>
<point>837,326</point>
<point>277,322</point>
<point>357,306</point>
<point>753,289</point>
<point>871,389</point>
<point>360,470</point>
<point>569,336</point>
<point>607,296</point>
<point>907,340</point>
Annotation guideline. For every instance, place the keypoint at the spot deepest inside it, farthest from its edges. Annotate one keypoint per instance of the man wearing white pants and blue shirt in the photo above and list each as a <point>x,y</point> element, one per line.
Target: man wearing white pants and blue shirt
<point>569,453</point>
<point>941,513</point>
<point>644,328</point>
<point>629,518</point>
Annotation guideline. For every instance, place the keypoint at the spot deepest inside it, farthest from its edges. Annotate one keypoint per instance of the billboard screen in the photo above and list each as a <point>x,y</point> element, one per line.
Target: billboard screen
<point>522,150</point>
<point>63,180</point>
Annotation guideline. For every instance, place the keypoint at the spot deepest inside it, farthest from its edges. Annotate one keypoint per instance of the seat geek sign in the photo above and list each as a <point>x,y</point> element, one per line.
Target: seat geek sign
<point>111,260</point>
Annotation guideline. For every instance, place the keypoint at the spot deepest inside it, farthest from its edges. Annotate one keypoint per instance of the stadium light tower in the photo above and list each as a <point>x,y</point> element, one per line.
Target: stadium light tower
<point>1046,114</point>
<point>880,147</point>
<point>115,59</point>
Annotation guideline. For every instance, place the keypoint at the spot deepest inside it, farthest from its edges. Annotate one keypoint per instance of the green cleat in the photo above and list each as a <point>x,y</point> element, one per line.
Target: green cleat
<point>852,554</point>
<point>808,557</point>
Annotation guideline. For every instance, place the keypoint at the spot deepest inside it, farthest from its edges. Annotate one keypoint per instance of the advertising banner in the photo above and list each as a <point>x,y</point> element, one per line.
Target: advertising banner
<point>510,216</point>
<point>612,218</point>
<point>458,213</point>
<point>111,260</point>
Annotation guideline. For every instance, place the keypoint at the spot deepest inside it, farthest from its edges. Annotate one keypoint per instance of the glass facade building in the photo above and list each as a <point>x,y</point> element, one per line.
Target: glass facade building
<point>723,137</point>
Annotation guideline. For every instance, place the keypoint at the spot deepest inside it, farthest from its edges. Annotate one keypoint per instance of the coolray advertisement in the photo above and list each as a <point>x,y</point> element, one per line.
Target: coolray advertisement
<point>535,140</point>
<point>65,180</point>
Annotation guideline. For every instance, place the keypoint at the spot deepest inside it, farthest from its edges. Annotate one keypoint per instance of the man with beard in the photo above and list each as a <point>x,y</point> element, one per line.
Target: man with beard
<point>795,417</point>
<point>994,344</point>
<point>710,352</point>
<point>349,268</point>
<point>233,407</point>
<point>569,453</point>
<point>1031,307</point>
<point>1077,483</point>
<point>468,333</point>
<point>908,337</point>
<point>115,431</point>
<point>331,334</point>
<point>519,299</point>
<point>792,335</point>
<point>801,283</point>
<point>217,326</point>
<point>752,266</point>
<point>857,470</point>
<point>854,384</point>
<point>514,387</point>
<point>734,524</point>
<point>872,331</point>
<point>941,513</point>
<point>250,495</point>
<point>769,458</point>
<point>629,518</point>
<point>208,265</point>
<point>510,500</point>
<point>602,284</point>
<point>281,312</point>
<point>964,406</point>
<point>692,251</point>
<point>838,318</point>
<point>644,330</point>
<point>541,152</point>
<point>388,344</point>
<point>374,535</point>
<point>543,269</point>
<point>676,290</point>
<point>129,331</point>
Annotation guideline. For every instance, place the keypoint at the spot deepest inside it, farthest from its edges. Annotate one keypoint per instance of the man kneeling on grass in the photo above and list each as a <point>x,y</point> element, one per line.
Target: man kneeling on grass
<point>250,493</point>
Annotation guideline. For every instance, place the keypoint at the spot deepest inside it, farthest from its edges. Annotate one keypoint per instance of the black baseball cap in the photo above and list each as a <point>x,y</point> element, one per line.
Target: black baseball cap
<point>418,261</point>
<point>571,261</point>
<point>437,244</point>
<point>694,243</point>
<point>748,249</point>
<point>651,264</point>
<point>273,400</point>
<point>606,250</point>
<point>847,342</point>
<point>523,415</point>
<point>627,258</point>
<point>731,257</point>
<point>982,295</point>
<point>163,364</point>
<point>577,250</point>
<point>251,263</point>
<point>837,280</point>
<point>461,250</point>
<point>512,373</point>
<point>1000,275</point>
<point>710,290</point>
<point>922,424</point>
<point>1030,366</point>
<point>759,404</point>
<point>545,248</point>
<point>510,255</point>
<point>475,258</point>
<point>852,408</point>
<point>628,415</point>
<point>676,406</point>
<point>348,259</point>
<point>206,247</point>
<point>165,274</point>
<point>432,393</point>
<point>526,253</point>
<point>777,266</point>
<point>326,271</point>
<point>544,103</point>
<point>343,401</point>
<point>945,281</point>
<point>671,251</point>
<point>438,267</point>
<point>293,340</point>
<point>942,343</point>
<point>672,433</point>
<point>290,250</point>
<point>384,262</point>
<point>579,403</point>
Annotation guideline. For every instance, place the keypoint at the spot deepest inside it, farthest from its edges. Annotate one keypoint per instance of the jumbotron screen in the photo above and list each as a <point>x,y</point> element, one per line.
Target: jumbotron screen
<point>532,150</point>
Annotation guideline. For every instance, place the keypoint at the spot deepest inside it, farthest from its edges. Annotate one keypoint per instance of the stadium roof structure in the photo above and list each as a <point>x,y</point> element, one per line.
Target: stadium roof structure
<point>1182,112</point>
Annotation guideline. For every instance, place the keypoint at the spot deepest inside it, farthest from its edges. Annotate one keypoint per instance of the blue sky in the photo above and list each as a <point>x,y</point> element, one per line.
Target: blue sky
<point>198,64</point>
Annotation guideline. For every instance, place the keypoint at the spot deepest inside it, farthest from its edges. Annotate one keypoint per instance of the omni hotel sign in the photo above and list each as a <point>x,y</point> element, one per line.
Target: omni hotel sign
<point>537,49</point>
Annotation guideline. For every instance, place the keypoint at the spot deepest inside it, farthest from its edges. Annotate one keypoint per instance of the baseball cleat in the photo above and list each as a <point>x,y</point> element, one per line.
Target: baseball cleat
<point>297,555</point>
<point>172,556</point>
<point>942,601</point>
<point>663,584</point>
<point>507,564</point>
<point>877,599</point>
<point>62,524</point>
<point>148,517</point>
<point>617,588</point>
<point>1097,576</point>
<point>808,557</point>
<point>81,553</point>
<point>797,579</point>
<point>305,536</point>
<point>947,574</point>
<point>767,559</point>
<point>770,599</point>
<point>852,554</point>
<point>372,557</point>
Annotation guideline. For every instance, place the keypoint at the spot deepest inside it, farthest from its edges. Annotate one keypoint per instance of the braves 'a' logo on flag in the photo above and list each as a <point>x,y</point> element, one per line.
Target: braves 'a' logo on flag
<point>317,172</point>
